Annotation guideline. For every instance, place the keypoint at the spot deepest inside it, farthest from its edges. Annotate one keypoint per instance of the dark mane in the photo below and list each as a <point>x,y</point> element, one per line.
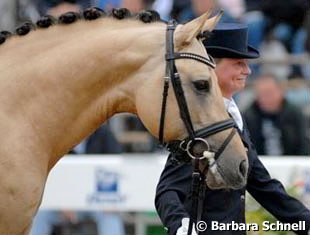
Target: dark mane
<point>93,13</point>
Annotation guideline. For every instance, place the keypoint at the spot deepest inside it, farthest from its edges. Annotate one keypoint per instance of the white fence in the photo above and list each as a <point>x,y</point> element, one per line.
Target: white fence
<point>127,182</point>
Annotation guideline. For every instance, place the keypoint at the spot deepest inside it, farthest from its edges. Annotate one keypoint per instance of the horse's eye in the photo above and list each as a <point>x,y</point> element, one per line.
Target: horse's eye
<point>202,85</point>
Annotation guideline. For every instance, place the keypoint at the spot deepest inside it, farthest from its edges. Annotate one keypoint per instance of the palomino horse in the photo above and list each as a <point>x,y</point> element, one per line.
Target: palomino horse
<point>57,85</point>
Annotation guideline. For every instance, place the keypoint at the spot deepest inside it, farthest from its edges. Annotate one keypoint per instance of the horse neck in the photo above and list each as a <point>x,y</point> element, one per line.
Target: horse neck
<point>86,74</point>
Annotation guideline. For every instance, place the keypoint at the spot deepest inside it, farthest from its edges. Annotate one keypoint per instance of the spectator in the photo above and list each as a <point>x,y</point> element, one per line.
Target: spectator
<point>14,12</point>
<point>277,127</point>
<point>285,22</point>
<point>273,24</point>
<point>307,28</point>
<point>235,8</point>
<point>273,49</point>
<point>198,7</point>
<point>7,14</point>
<point>163,7</point>
<point>189,9</point>
<point>280,20</point>
<point>107,5</point>
<point>101,141</point>
<point>255,20</point>
<point>304,36</point>
<point>58,7</point>
<point>285,19</point>
<point>133,5</point>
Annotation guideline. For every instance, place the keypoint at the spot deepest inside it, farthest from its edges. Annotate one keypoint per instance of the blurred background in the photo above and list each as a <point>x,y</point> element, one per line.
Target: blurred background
<point>275,104</point>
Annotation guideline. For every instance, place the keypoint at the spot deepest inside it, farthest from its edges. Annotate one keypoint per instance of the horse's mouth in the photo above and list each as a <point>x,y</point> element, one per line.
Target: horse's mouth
<point>215,179</point>
<point>212,183</point>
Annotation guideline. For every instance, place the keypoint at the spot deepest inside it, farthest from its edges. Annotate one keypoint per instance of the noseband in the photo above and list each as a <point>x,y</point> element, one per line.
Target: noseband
<point>184,148</point>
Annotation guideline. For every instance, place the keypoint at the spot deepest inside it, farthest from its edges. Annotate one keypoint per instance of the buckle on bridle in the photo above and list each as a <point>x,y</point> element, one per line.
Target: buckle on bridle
<point>205,153</point>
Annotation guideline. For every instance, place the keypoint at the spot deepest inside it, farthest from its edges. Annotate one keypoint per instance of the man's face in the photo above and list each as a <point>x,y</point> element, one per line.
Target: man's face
<point>269,94</point>
<point>232,74</point>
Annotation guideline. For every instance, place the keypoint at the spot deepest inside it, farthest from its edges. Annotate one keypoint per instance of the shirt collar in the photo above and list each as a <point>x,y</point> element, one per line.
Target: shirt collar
<point>228,102</point>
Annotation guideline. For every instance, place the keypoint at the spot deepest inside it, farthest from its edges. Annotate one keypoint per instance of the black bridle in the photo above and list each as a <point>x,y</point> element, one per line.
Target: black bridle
<point>186,146</point>
<point>194,136</point>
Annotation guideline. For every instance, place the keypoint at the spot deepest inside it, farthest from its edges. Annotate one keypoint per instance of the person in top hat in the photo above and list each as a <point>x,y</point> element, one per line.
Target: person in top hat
<point>228,44</point>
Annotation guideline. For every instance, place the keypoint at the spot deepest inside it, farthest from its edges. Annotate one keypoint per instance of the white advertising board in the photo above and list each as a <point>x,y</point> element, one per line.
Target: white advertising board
<point>128,182</point>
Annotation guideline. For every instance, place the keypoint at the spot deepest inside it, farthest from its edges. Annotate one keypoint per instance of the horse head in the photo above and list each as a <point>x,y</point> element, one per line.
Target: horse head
<point>204,107</point>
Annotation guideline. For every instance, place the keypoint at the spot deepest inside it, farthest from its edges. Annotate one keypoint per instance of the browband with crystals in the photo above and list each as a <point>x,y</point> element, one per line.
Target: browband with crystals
<point>208,61</point>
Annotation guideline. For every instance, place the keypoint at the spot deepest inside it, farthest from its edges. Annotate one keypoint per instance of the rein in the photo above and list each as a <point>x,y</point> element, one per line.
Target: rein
<point>184,149</point>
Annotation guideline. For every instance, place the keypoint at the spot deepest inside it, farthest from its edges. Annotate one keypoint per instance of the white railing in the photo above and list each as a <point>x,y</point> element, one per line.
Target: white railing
<point>285,60</point>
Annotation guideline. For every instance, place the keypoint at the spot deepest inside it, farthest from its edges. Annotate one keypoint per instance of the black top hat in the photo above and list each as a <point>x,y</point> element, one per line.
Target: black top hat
<point>230,40</point>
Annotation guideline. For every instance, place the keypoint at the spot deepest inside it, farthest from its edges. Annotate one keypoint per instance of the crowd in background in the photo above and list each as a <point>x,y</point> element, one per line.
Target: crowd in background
<point>276,104</point>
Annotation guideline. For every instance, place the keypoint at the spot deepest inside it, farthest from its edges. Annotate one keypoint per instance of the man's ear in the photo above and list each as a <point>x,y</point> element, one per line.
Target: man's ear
<point>185,34</point>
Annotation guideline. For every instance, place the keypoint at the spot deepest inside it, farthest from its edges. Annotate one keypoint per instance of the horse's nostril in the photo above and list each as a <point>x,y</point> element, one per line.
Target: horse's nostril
<point>243,168</point>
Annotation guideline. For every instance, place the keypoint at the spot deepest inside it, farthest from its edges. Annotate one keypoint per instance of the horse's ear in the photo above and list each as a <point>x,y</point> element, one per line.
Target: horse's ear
<point>186,33</point>
<point>210,24</point>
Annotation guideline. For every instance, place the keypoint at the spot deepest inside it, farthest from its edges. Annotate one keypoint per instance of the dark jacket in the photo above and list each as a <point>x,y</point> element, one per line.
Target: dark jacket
<point>293,12</point>
<point>291,123</point>
<point>173,197</point>
<point>101,141</point>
